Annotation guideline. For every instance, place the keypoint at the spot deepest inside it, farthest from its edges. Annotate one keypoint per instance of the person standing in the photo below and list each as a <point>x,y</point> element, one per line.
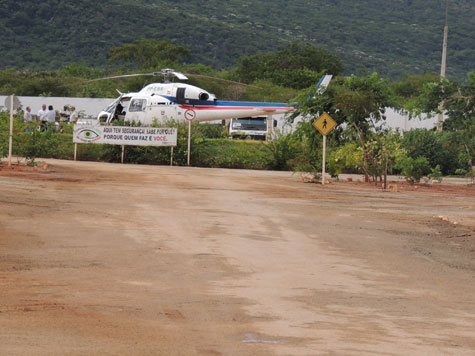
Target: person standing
<point>64,114</point>
<point>51,116</point>
<point>73,117</point>
<point>43,117</point>
<point>27,115</point>
<point>63,118</point>
<point>28,118</point>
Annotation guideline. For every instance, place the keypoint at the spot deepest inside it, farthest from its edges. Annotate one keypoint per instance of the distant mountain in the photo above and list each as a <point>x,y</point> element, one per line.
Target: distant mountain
<point>393,37</point>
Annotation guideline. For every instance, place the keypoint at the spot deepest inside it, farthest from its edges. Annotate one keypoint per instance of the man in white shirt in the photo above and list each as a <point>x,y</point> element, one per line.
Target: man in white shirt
<point>73,117</point>
<point>43,117</point>
<point>51,115</point>
<point>28,118</point>
<point>42,113</point>
<point>27,115</point>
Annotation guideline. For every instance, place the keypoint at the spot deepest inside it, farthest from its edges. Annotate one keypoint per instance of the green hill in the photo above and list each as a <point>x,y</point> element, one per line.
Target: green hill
<point>393,37</point>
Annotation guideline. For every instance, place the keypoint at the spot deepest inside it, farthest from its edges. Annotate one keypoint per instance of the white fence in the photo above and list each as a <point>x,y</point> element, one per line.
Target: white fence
<point>92,107</point>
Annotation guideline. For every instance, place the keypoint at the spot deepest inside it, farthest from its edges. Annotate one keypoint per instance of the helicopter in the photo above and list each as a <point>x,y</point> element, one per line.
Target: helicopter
<point>179,101</point>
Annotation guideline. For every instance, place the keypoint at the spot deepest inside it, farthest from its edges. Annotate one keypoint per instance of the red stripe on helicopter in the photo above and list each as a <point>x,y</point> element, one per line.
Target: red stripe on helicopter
<point>233,107</point>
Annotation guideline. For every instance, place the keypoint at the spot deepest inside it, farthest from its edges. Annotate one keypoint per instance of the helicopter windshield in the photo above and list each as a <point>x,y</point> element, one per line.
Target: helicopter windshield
<point>112,105</point>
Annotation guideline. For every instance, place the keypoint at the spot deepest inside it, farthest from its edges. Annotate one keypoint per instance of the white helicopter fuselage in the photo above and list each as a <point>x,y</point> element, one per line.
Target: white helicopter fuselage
<point>159,102</point>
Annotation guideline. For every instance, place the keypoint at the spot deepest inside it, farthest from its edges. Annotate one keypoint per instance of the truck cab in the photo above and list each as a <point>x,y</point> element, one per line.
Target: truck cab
<point>254,128</point>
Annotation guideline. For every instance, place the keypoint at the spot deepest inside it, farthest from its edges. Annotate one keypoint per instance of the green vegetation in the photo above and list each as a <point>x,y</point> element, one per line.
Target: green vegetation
<point>215,152</point>
<point>148,53</point>
<point>360,102</point>
<point>414,169</point>
<point>296,66</point>
<point>443,149</point>
<point>358,146</point>
<point>393,38</point>
<point>459,106</point>
<point>357,103</point>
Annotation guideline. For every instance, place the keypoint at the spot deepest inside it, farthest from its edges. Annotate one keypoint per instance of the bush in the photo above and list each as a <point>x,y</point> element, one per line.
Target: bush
<point>212,130</point>
<point>345,158</point>
<point>413,169</point>
<point>4,133</point>
<point>435,174</point>
<point>225,153</point>
<point>440,148</point>
<point>284,148</point>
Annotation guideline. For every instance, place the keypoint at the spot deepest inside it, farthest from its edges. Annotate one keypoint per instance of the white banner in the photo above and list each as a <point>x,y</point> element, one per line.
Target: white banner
<point>125,135</point>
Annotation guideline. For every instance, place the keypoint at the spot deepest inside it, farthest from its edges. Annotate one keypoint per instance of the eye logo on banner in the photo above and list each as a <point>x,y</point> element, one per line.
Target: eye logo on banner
<point>88,135</point>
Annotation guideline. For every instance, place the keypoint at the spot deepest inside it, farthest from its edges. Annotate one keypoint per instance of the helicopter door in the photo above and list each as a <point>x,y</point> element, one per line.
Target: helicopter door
<point>137,110</point>
<point>180,95</point>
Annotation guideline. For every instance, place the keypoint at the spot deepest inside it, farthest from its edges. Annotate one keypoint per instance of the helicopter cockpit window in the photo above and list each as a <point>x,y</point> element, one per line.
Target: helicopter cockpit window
<point>137,105</point>
<point>111,106</point>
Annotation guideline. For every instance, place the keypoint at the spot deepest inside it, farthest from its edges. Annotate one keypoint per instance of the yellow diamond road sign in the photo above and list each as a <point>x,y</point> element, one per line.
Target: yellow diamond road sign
<point>324,124</point>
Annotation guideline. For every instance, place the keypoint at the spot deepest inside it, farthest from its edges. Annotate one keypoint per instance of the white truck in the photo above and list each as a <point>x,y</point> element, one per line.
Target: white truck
<point>255,128</point>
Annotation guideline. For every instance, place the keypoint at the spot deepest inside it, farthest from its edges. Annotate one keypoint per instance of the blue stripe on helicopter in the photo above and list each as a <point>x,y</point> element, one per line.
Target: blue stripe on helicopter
<point>250,103</point>
<point>197,102</point>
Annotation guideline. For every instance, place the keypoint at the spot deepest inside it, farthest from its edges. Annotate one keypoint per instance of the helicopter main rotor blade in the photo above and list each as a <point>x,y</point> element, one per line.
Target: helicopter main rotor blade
<point>167,72</point>
<point>180,76</point>
<point>125,76</point>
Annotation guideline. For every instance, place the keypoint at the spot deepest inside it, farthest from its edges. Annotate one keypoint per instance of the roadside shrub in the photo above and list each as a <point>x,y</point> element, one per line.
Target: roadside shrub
<point>284,148</point>
<point>28,142</point>
<point>413,169</point>
<point>435,174</point>
<point>33,144</point>
<point>4,133</point>
<point>440,148</point>
<point>85,152</point>
<point>308,161</point>
<point>348,158</point>
<point>225,153</point>
<point>208,130</point>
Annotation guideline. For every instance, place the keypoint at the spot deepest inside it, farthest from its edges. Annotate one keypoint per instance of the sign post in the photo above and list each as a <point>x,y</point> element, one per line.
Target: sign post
<point>189,141</point>
<point>324,158</point>
<point>10,139</point>
<point>189,116</point>
<point>325,124</point>
<point>13,102</point>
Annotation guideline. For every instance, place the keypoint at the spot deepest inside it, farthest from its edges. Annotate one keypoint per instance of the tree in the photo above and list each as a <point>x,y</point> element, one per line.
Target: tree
<point>459,107</point>
<point>358,101</point>
<point>381,149</point>
<point>296,66</point>
<point>148,53</point>
<point>363,101</point>
<point>410,87</point>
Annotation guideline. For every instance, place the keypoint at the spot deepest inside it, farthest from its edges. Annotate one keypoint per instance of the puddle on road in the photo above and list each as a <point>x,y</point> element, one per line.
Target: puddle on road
<point>256,339</point>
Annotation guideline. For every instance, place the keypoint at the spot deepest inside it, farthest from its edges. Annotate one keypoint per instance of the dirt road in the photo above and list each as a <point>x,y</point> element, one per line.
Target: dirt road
<point>108,259</point>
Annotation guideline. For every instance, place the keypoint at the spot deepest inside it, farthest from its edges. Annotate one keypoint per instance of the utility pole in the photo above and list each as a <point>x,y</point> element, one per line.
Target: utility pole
<point>440,118</point>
